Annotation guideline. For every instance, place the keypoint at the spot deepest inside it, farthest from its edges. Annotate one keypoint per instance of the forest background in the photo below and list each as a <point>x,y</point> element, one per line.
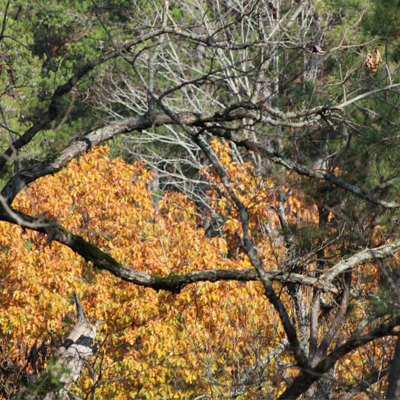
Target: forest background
<point>214,185</point>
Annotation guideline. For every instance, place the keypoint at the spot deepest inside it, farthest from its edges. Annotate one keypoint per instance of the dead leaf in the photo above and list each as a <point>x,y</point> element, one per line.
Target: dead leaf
<point>378,59</point>
<point>371,63</point>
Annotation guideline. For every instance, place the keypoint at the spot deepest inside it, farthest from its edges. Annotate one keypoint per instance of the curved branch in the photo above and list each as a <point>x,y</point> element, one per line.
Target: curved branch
<point>379,253</point>
<point>83,144</point>
<point>173,282</point>
<point>362,96</point>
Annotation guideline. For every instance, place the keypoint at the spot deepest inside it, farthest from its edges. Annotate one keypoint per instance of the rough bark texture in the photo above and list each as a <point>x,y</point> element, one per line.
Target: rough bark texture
<point>77,349</point>
<point>393,391</point>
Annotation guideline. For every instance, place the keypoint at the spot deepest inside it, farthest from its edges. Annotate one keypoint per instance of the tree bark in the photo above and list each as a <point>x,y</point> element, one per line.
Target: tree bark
<point>64,369</point>
<point>393,391</point>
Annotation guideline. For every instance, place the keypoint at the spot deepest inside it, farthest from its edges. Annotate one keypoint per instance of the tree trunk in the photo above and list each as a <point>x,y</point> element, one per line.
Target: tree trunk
<point>64,369</point>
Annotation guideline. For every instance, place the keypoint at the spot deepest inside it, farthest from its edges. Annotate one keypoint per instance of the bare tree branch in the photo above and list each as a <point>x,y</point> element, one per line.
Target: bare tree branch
<point>172,283</point>
<point>308,377</point>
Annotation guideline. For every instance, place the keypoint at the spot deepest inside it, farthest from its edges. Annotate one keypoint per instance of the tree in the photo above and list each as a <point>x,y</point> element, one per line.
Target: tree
<point>298,192</point>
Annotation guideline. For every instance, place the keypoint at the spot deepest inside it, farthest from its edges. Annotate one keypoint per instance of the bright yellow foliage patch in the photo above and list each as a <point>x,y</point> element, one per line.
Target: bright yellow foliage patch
<point>155,344</point>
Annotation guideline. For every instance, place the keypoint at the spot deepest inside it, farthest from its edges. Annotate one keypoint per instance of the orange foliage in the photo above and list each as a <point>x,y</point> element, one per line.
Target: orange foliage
<point>155,343</point>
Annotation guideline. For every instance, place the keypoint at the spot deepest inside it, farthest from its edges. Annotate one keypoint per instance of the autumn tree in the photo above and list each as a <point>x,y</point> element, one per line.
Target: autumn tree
<point>243,243</point>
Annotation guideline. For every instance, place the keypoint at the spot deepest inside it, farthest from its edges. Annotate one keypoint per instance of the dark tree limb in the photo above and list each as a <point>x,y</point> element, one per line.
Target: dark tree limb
<point>237,112</point>
<point>393,391</point>
<point>172,283</point>
<point>335,325</point>
<point>175,283</point>
<point>307,377</point>
<point>82,144</point>
<point>365,384</point>
<point>251,252</point>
